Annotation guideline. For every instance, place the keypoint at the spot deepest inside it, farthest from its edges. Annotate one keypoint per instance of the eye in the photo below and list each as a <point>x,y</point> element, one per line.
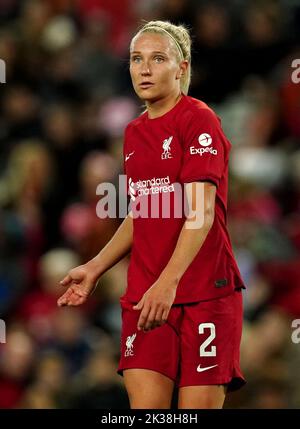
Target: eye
<point>136,59</point>
<point>158,59</point>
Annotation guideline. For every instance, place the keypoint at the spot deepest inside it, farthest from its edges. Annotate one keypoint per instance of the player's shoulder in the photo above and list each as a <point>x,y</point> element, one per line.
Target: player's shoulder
<point>198,108</point>
<point>135,122</point>
<point>197,118</point>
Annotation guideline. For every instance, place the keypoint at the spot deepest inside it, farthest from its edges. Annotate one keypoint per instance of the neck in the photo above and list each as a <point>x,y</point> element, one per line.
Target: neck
<point>161,106</point>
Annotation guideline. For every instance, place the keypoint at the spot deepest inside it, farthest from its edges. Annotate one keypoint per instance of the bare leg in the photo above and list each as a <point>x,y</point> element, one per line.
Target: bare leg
<point>196,397</point>
<point>148,389</point>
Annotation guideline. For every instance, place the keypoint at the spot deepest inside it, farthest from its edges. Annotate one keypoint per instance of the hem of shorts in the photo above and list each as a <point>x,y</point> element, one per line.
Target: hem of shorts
<point>120,371</point>
<point>233,384</point>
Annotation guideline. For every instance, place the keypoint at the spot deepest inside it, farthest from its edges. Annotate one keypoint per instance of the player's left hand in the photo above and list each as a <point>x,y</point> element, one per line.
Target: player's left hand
<point>155,305</point>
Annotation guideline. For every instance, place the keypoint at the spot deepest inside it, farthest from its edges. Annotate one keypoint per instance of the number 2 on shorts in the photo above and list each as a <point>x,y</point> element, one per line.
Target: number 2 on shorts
<point>206,343</point>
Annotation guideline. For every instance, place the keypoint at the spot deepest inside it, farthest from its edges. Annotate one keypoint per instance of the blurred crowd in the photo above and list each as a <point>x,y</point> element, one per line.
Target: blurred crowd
<point>64,107</point>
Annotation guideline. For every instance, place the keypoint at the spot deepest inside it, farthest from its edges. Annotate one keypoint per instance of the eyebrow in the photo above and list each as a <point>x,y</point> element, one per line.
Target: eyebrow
<point>153,52</point>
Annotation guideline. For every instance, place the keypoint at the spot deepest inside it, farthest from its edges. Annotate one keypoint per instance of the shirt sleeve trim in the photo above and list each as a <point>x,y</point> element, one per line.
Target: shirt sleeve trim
<point>212,179</point>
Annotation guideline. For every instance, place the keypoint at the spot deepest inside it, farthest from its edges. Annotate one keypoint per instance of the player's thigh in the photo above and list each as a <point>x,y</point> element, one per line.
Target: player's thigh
<point>148,389</point>
<point>198,397</point>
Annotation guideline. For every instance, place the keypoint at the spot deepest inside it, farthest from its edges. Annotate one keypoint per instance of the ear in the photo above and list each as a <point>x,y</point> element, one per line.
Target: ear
<point>183,65</point>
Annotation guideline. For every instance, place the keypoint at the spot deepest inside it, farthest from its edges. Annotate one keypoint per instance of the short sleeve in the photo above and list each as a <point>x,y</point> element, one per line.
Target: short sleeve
<point>205,148</point>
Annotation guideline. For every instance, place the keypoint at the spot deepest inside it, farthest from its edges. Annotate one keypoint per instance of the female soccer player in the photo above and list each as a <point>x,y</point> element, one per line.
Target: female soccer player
<point>182,309</point>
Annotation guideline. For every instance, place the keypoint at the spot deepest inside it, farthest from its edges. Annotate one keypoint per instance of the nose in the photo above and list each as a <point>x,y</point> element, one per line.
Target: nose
<point>145,69</point>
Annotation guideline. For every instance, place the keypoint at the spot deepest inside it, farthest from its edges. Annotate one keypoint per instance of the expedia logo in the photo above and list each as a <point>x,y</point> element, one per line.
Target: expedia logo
<point>205,141</point>
<point>194,150</point>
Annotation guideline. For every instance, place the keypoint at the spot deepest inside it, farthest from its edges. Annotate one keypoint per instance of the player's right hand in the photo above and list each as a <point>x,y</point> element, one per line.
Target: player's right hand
<point>81,283</point>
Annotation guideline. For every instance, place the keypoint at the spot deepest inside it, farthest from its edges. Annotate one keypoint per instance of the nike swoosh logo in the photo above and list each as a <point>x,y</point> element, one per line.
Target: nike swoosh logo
<point>128,156</point>
<point>199,369</point>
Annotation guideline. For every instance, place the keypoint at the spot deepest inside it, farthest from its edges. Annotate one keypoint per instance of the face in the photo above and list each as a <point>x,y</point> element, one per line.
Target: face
<point>154,66</point>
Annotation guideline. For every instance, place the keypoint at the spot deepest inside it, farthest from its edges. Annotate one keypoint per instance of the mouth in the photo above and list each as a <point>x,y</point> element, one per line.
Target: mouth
<point>146,85</point>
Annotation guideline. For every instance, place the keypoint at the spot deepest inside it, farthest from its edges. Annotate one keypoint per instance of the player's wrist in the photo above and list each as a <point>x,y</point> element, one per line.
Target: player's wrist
<point>95,269</point>
<point>169,279</point>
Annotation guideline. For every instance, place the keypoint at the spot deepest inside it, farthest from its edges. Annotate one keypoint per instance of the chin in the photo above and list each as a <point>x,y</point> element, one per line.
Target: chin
<point>148,96</point>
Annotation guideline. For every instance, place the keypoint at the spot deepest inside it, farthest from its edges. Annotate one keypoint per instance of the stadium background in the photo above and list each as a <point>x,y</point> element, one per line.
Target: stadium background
<point>64,107</point>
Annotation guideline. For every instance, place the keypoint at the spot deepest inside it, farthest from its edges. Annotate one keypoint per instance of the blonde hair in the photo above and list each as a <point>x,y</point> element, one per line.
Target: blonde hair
<point>181,37</point>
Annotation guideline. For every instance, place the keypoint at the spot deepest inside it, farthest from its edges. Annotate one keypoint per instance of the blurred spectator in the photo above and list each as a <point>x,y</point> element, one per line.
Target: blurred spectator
<point>112,287</point>
<point>117,19</point>
<point>12,269</point>
<point>214,48</point>
<point>176,11</point>
<point>21,119</point>
<point>80,224</point>
<point>97,67</point>
<point>38,308</point>
<point>49,384</point>
<point>60,33</point>
<point>23,190</point>
<point>37,398</point>
<point>17,358</point>
<point>71,339</point>
<point>101,388</point>
<point>8,9</point>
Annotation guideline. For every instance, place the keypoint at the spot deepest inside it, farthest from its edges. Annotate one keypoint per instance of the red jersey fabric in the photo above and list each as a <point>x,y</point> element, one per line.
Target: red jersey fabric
<point>187,144</point>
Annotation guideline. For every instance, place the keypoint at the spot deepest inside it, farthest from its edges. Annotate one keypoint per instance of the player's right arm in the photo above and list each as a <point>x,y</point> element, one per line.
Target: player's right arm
<point>82,280</point>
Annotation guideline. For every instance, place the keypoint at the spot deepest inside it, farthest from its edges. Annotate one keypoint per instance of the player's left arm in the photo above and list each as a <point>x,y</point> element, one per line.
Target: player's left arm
<point>157,301</point>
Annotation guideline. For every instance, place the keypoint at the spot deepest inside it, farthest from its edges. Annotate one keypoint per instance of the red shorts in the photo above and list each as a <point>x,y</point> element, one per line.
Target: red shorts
<point>198,345</point>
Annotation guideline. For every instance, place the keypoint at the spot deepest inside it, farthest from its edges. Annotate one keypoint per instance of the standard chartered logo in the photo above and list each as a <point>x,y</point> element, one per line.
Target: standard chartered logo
<point>131,189</point>
<point>156,185</point>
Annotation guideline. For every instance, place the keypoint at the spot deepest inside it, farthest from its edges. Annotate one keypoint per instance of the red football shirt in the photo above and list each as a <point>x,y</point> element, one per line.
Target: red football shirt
<point>184,145</point>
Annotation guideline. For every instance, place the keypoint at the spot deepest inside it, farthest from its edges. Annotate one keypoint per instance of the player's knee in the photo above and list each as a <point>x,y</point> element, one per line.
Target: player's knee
<point>152,404</point>
<point>202,403</point>
<point>202,398</point>
<point>211,402</point>
<point>147,400</point>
